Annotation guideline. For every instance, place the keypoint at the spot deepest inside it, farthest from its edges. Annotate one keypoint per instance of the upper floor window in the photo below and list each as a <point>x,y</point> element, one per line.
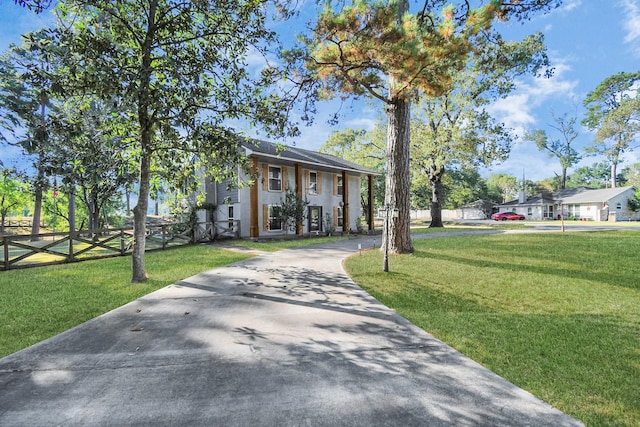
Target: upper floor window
<point>339,185</point>
<point>313,183</point>
<point>275,178</point>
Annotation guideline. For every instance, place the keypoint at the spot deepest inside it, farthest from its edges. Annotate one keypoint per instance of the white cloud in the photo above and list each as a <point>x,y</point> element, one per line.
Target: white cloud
<point>517,111</point>
<point>514,110</point>
<point>631,24</point>
<point>570,5</point>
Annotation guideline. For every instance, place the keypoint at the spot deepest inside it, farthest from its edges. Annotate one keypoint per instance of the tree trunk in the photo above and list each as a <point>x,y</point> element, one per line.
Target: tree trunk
<point>37,206</point>
<point>72,211</point>
<point>128,197</point>
<point>614,172</point>
<point>93,214</point>
<point>398,181</point>
<point>563,184</point>
<point>139,273</point>
<point>437,190</point>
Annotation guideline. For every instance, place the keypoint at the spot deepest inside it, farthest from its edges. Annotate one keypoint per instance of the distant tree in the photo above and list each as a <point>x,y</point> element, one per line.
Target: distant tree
<point>27,107</point>
<point>180,70</point>
<point>550,184</point>
<point>387,52</point>
<point>92,154</point>
<point>630,175</point>
<point>634,202</point>
<point>505,185</point>
<point>13,194</point>
<point>594,176</point>
<point>464,186</point>
<point>560,147</point>
<point>613,110</point>
<point>367,149</point>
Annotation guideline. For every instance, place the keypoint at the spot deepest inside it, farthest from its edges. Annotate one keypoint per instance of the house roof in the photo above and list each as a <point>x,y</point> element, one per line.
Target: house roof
<point>595,196</point>
<point>574,195</point>
<point>478,204</point>
<point>299,155</point>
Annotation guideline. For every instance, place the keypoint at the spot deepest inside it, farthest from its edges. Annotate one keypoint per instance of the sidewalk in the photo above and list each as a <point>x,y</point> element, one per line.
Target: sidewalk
<point>282,339</point>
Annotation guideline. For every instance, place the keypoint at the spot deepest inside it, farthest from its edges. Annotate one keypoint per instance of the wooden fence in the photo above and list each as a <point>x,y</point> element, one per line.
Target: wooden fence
<point>22,251</point>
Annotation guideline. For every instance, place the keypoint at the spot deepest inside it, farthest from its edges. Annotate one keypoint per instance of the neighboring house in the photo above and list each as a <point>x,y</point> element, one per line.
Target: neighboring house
<point>608,204</point>
<point>330,184</point>
<point>480,209</point>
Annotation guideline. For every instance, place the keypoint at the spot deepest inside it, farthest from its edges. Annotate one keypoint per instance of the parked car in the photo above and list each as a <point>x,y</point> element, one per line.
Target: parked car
<point>503,216</point>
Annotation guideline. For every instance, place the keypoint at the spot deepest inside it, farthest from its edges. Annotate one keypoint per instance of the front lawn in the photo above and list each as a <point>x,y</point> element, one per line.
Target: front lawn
<point>38,303</point>
<point>557,314</point>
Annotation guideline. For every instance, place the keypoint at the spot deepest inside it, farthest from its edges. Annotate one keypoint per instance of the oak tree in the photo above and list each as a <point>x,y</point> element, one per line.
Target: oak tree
<point>613,111</point>
<point>560,147</point>
<point>455,130</point>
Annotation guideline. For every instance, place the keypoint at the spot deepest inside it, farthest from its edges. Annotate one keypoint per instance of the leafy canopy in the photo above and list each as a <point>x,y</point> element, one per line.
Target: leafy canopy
<point>356,49</point>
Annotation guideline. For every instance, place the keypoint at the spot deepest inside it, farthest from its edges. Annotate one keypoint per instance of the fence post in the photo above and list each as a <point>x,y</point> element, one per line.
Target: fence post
<point>164,231</point>
<point>121,241</point>
<point>5,244</point>
<point>70,256</point>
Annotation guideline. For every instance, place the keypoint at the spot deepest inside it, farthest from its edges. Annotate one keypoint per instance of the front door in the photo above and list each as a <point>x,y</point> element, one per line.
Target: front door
<point>315,218</point>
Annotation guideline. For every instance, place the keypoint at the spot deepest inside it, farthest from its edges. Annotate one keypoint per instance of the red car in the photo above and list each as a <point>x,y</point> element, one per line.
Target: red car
<point>503,216</point>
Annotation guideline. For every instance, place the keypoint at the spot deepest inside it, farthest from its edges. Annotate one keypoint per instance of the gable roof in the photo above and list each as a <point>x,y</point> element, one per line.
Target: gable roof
<point>595,196</point>
<point>299,155</point>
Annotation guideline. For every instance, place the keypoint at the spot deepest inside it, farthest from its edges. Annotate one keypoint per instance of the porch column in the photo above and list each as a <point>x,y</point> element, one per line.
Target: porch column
<point>254,231</point>
<point>370,202</point>
<point>299,227</point>
<point>345,202</point>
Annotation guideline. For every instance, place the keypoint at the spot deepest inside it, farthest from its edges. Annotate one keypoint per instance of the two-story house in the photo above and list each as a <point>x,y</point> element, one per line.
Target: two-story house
<point>331,185</point>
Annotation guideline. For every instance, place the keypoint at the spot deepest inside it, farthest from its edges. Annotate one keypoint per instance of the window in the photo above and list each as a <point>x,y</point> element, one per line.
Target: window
<point>573,211</point>
<point>275,178</point>
<point>275,220</point>
<point>313,183</point>
<point>529,211</point>
<point>339,185</point>
<point>231,217</point>
<point>340,216</point>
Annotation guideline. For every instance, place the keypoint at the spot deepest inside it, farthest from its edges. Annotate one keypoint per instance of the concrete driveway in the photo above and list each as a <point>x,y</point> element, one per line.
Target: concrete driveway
<point>282,339</point>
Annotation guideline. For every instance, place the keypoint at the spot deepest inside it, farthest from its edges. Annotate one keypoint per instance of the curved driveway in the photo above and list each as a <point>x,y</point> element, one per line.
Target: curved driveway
<point>282,339</point>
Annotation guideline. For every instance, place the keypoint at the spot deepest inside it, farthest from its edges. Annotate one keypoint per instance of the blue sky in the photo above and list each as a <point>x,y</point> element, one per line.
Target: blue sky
<point>587,40</point>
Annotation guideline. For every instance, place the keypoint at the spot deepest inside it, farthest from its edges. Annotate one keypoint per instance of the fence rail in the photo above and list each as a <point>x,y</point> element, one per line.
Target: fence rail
<point>22,251</point>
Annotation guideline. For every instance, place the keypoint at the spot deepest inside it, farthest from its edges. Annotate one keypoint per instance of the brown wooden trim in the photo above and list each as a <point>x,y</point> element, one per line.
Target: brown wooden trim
<point>265,217</point>
<point>265,175</point>
<point>345,202</point>
<point>299,227</point>
<point>370,200</point>
<point>285,179</point>
<point>253,200</point>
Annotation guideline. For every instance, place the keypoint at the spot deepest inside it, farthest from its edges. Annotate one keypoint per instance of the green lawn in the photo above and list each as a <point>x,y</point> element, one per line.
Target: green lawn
<point>557,314</point>
<point>37,303</point>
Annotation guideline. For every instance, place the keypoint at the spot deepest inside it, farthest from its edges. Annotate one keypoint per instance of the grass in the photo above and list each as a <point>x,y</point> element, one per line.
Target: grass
<point>557,314</point>
<point>38,303</point>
